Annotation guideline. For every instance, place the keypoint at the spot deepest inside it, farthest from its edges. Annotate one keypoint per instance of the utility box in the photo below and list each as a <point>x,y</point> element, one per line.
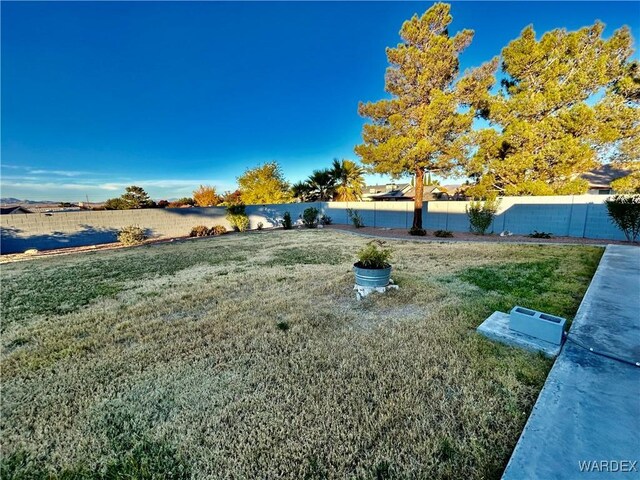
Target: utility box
<point>537,324</point>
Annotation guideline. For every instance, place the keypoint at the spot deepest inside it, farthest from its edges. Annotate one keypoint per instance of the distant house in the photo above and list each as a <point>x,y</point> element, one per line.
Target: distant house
<point>392,193</point>
<point>13,210</point>
<point>600,179</point>
<point>403,192</point>
<point>50,209</point>
<point>370,191</point>
<point>456,192</point>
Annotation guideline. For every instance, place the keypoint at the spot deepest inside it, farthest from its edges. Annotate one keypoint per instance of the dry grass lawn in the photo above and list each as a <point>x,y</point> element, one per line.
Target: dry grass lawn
<point>246,356</point>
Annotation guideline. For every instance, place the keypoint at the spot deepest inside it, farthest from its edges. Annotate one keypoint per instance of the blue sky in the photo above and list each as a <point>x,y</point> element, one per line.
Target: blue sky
<point>97,96</point>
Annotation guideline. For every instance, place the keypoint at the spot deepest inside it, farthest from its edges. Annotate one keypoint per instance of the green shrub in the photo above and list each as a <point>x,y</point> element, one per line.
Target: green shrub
<point>310,217</point>
<point>417,232</point>
<point>624,211</point>
<point>325,220</point>
<point>355,218</point>
<point>199,231</point>
<point>237,217</point>
<point>131,235</point>
<point>481,214</point>
<point>443,233</point>
<point>537,234</point>
<point>239,223</point>
<point>217,230</point>
<point>286,221</point>
<point>374,255</point>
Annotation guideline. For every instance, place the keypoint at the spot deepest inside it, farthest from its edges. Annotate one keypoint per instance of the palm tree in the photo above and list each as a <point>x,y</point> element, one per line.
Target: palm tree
<point>348,180</point>
<point>321,183</point>
<point>301,191</point>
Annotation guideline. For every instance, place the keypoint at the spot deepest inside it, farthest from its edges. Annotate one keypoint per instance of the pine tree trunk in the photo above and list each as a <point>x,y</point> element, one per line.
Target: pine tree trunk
<point>417,200</point>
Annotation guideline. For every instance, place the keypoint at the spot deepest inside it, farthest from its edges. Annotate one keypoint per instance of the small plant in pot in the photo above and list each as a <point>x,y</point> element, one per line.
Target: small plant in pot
<point>372,268</point>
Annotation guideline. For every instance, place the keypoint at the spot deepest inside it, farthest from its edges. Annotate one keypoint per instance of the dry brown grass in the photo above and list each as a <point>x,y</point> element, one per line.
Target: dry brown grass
<point>248,357</point>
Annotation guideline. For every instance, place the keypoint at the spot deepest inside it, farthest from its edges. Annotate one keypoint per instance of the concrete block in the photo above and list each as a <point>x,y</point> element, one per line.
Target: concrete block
<point>537,324</point>
<point>362,292</point>
<point>497,328</point>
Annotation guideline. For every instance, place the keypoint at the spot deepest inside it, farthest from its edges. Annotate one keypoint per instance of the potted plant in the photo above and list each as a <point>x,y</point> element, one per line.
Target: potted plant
<point>372,268</point>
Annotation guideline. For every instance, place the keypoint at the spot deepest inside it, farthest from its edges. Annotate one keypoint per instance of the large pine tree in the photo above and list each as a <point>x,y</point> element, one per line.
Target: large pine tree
<point>421,127</point>
<point>568,102</point>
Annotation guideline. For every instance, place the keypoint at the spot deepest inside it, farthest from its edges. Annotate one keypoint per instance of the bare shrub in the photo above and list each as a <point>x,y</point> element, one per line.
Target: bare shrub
<point>217,230</point>
<point>131,235</point>
<point>199,231</point>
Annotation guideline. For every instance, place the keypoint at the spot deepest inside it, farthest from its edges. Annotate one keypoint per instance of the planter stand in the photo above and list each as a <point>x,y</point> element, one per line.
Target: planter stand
<point>362,292</point>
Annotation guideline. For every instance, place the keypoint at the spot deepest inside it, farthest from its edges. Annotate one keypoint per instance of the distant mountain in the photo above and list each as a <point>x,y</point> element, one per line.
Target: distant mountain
<point>15,201</point>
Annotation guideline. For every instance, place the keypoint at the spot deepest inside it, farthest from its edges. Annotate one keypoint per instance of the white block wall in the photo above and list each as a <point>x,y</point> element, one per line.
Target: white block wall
<point>575,216</point>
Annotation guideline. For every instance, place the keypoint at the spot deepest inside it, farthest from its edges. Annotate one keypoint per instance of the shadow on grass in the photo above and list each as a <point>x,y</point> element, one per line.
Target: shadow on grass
<point>14,240</point>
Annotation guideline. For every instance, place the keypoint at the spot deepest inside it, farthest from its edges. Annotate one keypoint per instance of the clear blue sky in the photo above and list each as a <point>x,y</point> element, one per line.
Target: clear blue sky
<point>97,96</point>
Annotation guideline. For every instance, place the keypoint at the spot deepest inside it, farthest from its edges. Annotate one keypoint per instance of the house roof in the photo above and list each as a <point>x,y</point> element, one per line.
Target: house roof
<point>408,192</point>
<point>384,188</point>
<point>604,175</point>
<point>11,210</point>
<point>390,194</point>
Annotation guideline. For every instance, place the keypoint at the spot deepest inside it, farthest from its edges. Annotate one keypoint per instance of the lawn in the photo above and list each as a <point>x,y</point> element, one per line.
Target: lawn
<point>247,356</point>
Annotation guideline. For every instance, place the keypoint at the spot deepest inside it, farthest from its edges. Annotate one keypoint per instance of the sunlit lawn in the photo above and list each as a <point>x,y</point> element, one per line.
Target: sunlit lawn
<point>247,356</point>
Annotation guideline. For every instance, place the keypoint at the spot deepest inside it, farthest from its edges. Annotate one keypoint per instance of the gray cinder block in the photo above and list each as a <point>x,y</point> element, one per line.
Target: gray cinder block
<point>537,324</point>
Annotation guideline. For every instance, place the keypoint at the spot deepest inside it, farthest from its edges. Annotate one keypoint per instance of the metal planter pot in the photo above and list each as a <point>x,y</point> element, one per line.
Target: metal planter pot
<point>372,277</point>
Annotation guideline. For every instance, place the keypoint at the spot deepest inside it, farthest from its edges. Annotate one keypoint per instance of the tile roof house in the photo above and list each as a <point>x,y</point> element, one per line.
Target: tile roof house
<point>369,191</point>
<point>404,192</point>
<point>600,179</point>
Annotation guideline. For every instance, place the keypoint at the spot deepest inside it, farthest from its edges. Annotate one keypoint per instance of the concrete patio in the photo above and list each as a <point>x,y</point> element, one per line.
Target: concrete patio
<point>587,417</point>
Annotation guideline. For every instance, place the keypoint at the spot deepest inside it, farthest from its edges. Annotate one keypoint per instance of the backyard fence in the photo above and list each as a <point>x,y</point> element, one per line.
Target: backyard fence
<point>582,216</point>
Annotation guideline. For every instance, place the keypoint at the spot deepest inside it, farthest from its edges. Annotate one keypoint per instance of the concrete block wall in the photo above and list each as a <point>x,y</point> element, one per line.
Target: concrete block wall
<point>45,231</point>
<point>574,216</point>
<point>272,215</point>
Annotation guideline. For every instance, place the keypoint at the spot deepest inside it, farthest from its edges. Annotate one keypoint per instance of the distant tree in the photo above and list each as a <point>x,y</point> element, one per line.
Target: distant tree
<point>182,202</point>
<point>421,128</point>
<point>321,184</point>
<point>206,196</point>
<point>136,197</point>
<point>116,204</point>
<point>348,180</point>
<point>162,204</point>
<point>264,184</point>
<point>231,198</point>
<point>428,181</point>
<point>568,102</point>
<point>301,191</point>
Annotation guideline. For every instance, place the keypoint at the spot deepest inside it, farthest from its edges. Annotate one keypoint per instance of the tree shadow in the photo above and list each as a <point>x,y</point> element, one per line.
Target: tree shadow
<point>14,240</point>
